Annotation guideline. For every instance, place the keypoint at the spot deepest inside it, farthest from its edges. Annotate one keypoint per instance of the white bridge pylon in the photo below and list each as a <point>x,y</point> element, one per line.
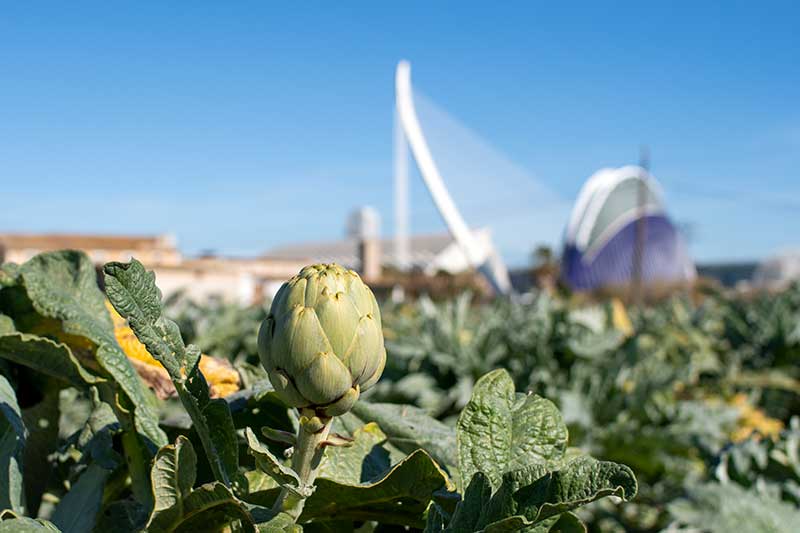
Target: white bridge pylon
<point>486,261</point>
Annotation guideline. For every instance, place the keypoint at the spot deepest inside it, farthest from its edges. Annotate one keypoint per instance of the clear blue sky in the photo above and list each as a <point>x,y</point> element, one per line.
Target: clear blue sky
<point>242,125</point>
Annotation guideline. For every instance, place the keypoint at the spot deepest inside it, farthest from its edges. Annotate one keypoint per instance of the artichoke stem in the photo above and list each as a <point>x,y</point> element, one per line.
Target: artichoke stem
<point>305,462</point>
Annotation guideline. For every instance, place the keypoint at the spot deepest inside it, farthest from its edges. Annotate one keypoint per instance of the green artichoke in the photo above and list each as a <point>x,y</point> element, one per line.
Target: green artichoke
<point>322,343</point>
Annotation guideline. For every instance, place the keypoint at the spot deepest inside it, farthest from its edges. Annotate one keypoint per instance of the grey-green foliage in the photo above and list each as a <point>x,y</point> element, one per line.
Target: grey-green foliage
<point>722,508</point>
<point>770,467</point>
<point>438,350</point>
<point>516,472</point>
<point>134,294</point>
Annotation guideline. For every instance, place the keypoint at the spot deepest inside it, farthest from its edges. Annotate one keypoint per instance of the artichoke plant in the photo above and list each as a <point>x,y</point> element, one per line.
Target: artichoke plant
<point>321,343</point>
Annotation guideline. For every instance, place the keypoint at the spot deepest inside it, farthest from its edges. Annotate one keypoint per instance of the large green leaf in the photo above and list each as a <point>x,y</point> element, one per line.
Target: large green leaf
<point>410,428</point>
<point>356,483</point>
<point>134,294</point>
<point>583,480</point>
<point>400,496</point>
<point>44,355</point>
<point>172,478</point>
<point>178,507</point>
<point>77,510</point>
<point>499,431</point>
<point>63,286</point>
<point>12,444</point>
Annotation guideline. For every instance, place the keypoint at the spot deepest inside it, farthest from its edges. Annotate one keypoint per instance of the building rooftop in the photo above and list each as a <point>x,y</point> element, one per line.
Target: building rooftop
<point>60,241</point>
<point>424,248</point>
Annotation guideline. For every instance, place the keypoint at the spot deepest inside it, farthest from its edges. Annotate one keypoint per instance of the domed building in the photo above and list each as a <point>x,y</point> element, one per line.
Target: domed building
<point>607,226</point>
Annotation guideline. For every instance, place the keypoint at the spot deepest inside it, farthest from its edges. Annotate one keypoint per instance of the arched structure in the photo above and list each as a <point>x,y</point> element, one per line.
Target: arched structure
<point>619,215</point>
<point>486,261</point>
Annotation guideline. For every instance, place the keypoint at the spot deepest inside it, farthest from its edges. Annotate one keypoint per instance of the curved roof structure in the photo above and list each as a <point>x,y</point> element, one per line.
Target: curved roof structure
<point>601,236</point>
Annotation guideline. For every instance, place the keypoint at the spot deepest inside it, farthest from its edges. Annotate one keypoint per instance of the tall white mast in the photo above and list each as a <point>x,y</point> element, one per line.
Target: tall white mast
<point>401,241</point>
<point>488,262</point>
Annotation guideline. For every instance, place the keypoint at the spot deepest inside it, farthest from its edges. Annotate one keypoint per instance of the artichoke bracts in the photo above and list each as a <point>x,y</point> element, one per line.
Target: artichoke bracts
<point>322,343</point>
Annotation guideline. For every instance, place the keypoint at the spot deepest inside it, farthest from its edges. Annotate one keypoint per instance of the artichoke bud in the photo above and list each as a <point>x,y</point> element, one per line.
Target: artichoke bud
<point>322,343</point>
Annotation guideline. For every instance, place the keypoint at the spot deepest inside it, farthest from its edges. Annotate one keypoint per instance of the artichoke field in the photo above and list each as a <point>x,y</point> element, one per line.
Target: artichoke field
<point>328,411</point>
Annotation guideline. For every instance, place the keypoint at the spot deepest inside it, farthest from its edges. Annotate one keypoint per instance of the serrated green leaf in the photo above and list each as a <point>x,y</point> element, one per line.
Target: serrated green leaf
<point>409,428</point>
<point>134,294</point>
<point>12,445</point>
<point>269,464</point>
<point>581,481</point>
<point>498,432</point>
<point>77,510</point>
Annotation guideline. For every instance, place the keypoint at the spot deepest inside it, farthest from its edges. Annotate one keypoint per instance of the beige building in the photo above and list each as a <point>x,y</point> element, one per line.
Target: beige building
<point>244,280</point>
<point>238,280</point>
<point>150,250</point>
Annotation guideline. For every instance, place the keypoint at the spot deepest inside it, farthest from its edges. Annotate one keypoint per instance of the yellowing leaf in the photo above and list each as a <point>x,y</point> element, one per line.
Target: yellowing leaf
<point>619,317</point>
<point>222,379</point>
